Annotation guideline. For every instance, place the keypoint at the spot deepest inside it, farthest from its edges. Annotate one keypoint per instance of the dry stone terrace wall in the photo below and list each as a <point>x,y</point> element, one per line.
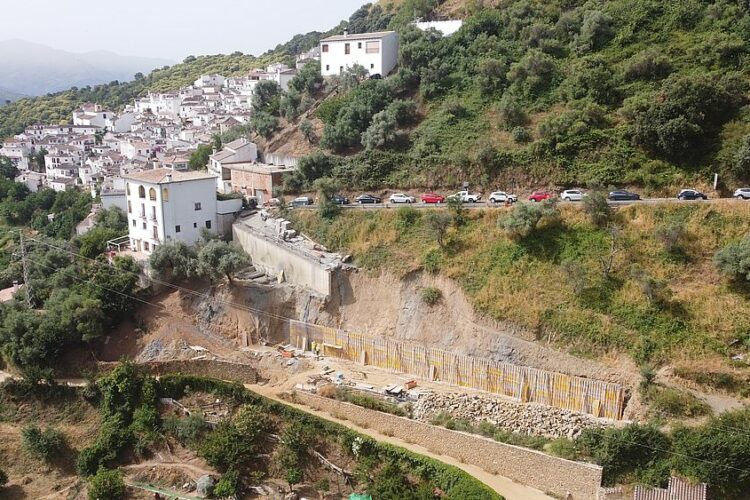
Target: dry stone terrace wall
<point>222,370</point>
<point>531,419</point>
<point>549,474</point>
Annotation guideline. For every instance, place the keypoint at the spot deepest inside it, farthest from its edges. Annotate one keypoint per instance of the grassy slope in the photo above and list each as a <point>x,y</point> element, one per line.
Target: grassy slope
<point>525,281</point>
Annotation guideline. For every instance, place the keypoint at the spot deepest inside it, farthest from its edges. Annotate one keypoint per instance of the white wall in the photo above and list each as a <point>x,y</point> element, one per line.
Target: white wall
<point>382,63</point>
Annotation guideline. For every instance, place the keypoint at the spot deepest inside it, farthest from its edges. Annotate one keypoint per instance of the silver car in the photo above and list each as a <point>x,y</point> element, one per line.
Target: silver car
<point>572,195</point>
<point>742,194</point>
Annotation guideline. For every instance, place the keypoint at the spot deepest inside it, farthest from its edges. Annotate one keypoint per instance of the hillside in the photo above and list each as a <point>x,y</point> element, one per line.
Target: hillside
<point>536,93</point>
<point>649,290</point>
<point>35,69</point>
<point>8,95</point>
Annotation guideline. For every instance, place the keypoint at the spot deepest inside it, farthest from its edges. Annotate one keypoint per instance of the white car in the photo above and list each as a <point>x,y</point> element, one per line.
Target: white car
<point>465,197</point>
<point>742,194</point>
<point>502,197</point>
<point>572,195</point>
<point>401,198</point>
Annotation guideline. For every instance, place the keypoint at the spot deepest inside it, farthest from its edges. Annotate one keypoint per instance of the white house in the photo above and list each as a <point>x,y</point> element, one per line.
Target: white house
<point>239,151</point>
<point>167,205</point>
<point>210,81</point>
<point>376,52</point>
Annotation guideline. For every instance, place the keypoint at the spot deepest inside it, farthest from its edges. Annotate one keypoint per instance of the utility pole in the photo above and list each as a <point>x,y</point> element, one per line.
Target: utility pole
<point>26,280</point>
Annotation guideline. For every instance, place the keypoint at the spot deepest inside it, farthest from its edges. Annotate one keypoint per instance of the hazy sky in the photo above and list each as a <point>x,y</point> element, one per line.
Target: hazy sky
<point>169,29</point>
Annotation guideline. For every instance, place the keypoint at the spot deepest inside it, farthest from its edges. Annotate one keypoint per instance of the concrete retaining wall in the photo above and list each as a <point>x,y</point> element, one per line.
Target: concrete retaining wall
<point>272,258</point>
<point>548,474</point>
<point>223,370</point>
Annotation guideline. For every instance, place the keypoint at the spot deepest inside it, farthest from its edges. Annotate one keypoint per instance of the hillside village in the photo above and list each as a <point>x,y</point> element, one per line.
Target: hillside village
<point>577,343</point>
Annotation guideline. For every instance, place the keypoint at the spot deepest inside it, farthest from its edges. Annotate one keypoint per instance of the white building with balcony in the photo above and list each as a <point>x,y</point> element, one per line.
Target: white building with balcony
<point>167,205</point>
<point>376,52</point>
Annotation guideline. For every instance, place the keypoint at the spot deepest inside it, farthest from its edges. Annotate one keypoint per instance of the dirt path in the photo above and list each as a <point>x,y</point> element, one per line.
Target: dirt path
<point>509,489</point>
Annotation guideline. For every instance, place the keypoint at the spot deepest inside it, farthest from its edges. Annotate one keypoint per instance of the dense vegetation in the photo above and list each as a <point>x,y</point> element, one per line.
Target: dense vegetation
<point>606,92</point>
<point>132,423</point>
<point>642,282</point>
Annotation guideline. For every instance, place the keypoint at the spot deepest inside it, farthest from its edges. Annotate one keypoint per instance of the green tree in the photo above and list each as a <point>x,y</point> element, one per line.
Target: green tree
<point>267,97</point>
<point>525,218</point>
<point>264,123</point>
<point>596,206</point>
<point>218,258</point>
<point>307,131</point>
<point>226,448</point>
<point>94,242</point>
<point>7,169</point>
<point>437,223</point>
<point>173,261</point>
<point>106,484</point>
<point>200,157</point>
<point>326,187</point>
<point>382,130</point>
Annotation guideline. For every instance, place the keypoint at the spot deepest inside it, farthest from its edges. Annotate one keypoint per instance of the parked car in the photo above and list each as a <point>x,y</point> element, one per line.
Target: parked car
<point>572,195</point>
<point>742,194</point>
<point>691,194</point>
<point>622,195</point>
<point>539,196</point>
<point>367,198</point>
<point>273,202</point>
<point>466,197</point>
<point>401,198</point>
<point>302,201</point>
<point>502,197</point>
<point>340,199</point>
<point>432,198</point>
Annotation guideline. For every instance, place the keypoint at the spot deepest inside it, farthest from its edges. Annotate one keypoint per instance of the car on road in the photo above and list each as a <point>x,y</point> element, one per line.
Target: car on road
<point>432,198</point>
<point>401,198</point>
<point>622,195</point>
<point>302,201</point>
<point>502,197</point>
<point>539,196</point>
<point>742,194</point>
<point>466,197</point>
<point>340,199</point>
<point>572,195</point>
<point>691,194</point>
<point>367,198</point>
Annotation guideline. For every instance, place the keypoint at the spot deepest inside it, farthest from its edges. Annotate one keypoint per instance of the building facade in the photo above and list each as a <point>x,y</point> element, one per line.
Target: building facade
<point>167,205</point>
<point>376,52</point>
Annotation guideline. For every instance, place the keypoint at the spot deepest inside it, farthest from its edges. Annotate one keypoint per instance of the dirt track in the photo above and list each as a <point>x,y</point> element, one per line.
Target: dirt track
<point>504,486</point>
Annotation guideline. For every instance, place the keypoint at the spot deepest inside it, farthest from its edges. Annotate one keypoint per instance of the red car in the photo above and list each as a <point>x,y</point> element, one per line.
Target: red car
<point>432,198</point>
<point>539,196</point>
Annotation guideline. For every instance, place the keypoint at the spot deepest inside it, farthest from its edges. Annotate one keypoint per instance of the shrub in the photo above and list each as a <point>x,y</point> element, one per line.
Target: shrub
<point>432,260</point>
<point>437,223</point>
<point>228,486</point>
<point>525,218</point>
<point>3,478</point>
<point>734,260</point>
<point>367,401</point>
<point>596,206</point>
<point>44,444</point>
<point>264,123</point>
<point>307,131</point>
<point>106,484</point>
<point>520,135</point>
<point>431,295</point>
<point>407,217</point>
<point>511,112</point>
<point>650,64</point>
<point>382,130</point>
<point>226,448</point>
<point>188,431</point>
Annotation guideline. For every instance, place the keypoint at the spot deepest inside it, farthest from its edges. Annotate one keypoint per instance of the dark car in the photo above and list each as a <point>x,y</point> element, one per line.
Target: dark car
<point>622,195</point>
<point>340,199</point>
<point>691,194</point>
<point>367,198</point>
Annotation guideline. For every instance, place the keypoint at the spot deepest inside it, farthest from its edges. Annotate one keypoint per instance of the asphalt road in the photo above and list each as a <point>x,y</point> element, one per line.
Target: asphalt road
<point>484,204</point>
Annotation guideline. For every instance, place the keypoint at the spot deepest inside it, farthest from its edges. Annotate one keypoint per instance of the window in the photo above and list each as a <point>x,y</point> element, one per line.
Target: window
<point>347,48</point>
<point>152,194</point>
<point>155,232</point>
<point>197,206</point>
<point>153,213</point>
<point>328,67</point>
<point>324,48</point>
<point>130,208</point>
<point>134,222</point>
<point>372,48</point>
<point>359,45</point>
<point>372,66</point>
<point>177,229</point>
<point>144,225</point>
<point>141,192</point>
<point>145,246</point>
<point>341,69</point>
<point>208,224</point>
<point>127,186</point>
<point>165,194</point>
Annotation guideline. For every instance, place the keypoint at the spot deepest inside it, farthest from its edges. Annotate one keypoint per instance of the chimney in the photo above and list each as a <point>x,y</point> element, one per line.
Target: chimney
<point>346,32</point>
<point>15,287</point>
<point>169,177</point>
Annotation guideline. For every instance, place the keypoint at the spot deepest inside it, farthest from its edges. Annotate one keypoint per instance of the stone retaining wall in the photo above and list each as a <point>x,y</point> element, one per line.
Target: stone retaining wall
<point>222,370</point>
<point>548,474</point>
